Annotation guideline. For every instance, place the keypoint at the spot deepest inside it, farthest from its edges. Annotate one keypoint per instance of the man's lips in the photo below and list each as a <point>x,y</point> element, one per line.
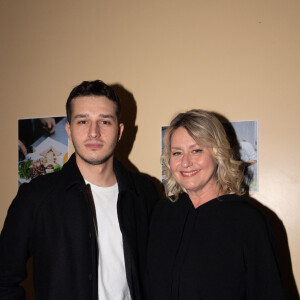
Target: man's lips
<point>94,145</point>
<point>189,174</point>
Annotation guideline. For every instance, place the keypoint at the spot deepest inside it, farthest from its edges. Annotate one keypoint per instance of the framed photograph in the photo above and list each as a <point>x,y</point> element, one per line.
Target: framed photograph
<point>42,146</point>
<point>246,134</point>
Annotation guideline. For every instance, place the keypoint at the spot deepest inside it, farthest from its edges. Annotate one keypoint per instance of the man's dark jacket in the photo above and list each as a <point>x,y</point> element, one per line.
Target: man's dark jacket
<point>51,219</point>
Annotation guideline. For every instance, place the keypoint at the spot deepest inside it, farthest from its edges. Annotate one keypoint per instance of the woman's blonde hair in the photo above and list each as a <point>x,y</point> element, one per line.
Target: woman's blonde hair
<point>206,130</point>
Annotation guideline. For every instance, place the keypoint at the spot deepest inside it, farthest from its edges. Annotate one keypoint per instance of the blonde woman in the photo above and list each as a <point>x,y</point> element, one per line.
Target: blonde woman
<point>206,241</point>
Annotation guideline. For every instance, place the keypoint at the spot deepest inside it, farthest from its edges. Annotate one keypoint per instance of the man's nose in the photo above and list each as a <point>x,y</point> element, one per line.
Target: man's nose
<point>94,130</point>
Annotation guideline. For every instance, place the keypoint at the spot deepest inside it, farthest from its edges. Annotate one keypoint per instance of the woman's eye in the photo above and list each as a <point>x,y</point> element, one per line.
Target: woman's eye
<point>197,150</point>
<point>176,153</point>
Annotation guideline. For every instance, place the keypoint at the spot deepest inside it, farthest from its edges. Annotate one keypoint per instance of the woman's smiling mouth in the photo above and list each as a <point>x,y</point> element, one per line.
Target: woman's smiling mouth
<point>189,174</point>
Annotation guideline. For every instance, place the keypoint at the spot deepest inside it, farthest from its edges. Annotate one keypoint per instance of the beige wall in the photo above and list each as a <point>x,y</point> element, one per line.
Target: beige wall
<point>237,58</point>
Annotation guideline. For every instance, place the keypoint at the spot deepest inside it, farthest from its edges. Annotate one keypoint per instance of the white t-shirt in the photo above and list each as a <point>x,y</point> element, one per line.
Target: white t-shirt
<point>112,282</point>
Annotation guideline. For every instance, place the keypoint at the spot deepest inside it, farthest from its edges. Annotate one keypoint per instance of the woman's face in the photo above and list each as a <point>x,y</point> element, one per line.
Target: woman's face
<point>193,166</point>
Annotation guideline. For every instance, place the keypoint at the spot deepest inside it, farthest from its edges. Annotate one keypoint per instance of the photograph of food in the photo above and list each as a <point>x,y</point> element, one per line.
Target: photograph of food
<point>43,153</point>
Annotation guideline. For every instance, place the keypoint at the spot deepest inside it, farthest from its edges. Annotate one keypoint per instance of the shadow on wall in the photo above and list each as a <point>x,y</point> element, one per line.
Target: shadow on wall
<point>281,240</point>
<point>283,251</point>
<point>128,118</point>
<point>27,284</point>
<point>124,147</point>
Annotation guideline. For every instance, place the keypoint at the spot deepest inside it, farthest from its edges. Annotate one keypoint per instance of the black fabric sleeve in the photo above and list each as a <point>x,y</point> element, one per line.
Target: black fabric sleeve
<point>262,271</point>
<point>15,246</point>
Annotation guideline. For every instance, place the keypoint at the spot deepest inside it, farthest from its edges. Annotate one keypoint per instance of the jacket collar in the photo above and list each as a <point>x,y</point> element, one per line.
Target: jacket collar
<point>124,178</point>
<point>71,173</point>
<point>73,176</point>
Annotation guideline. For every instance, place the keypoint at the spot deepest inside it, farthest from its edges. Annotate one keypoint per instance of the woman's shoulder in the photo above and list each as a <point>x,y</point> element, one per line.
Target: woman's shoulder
<point>243,214</point>
<point>240,207</point>
<point>167,206</point>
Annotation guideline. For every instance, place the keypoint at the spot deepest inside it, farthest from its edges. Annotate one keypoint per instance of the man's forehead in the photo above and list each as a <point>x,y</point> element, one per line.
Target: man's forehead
<point>91,107</point>
<point>82,102</point>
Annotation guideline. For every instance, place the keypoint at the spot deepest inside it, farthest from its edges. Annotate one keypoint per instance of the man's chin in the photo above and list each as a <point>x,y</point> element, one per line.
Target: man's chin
<point>95,161</point>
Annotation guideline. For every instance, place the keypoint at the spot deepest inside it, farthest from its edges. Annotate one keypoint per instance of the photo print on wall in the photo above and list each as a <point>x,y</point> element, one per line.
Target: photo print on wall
<point>42,145</point>
<point>243,138</point>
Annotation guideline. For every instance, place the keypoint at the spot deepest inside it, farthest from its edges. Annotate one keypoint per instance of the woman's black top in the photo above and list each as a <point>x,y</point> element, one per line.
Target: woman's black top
<point>222,250</point>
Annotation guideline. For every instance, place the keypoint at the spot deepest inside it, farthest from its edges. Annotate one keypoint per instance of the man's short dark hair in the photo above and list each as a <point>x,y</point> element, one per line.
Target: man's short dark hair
<point>93,88</point>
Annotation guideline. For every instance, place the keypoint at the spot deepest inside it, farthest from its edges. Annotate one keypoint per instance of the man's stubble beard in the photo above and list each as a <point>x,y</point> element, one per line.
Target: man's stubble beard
<point>96,162</point>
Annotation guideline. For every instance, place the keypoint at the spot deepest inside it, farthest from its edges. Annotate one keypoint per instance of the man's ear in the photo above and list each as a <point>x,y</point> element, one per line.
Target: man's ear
<point>121,129</point>
<point>68,130</point>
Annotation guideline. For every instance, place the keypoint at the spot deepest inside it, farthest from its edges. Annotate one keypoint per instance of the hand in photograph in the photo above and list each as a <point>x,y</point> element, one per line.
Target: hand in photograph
<point>48,124</point>
<point>22,148</point>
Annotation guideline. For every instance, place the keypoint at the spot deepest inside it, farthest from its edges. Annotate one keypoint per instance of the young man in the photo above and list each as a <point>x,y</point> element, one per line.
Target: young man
<point>87,225</point>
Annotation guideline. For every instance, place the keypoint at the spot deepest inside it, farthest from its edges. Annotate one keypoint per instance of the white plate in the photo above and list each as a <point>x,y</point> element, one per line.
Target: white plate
<point>46,144</point>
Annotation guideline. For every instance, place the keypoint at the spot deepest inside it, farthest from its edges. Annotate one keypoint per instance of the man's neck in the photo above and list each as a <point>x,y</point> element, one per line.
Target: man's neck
<point>101,175</point>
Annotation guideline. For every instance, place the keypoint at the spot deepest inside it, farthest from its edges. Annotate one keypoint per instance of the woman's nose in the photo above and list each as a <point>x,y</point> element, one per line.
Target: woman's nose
<point>186,161</point>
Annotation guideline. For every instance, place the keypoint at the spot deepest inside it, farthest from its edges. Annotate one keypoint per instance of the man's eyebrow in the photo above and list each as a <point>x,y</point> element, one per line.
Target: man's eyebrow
<point>79,116</point>
<point>106,116</point>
